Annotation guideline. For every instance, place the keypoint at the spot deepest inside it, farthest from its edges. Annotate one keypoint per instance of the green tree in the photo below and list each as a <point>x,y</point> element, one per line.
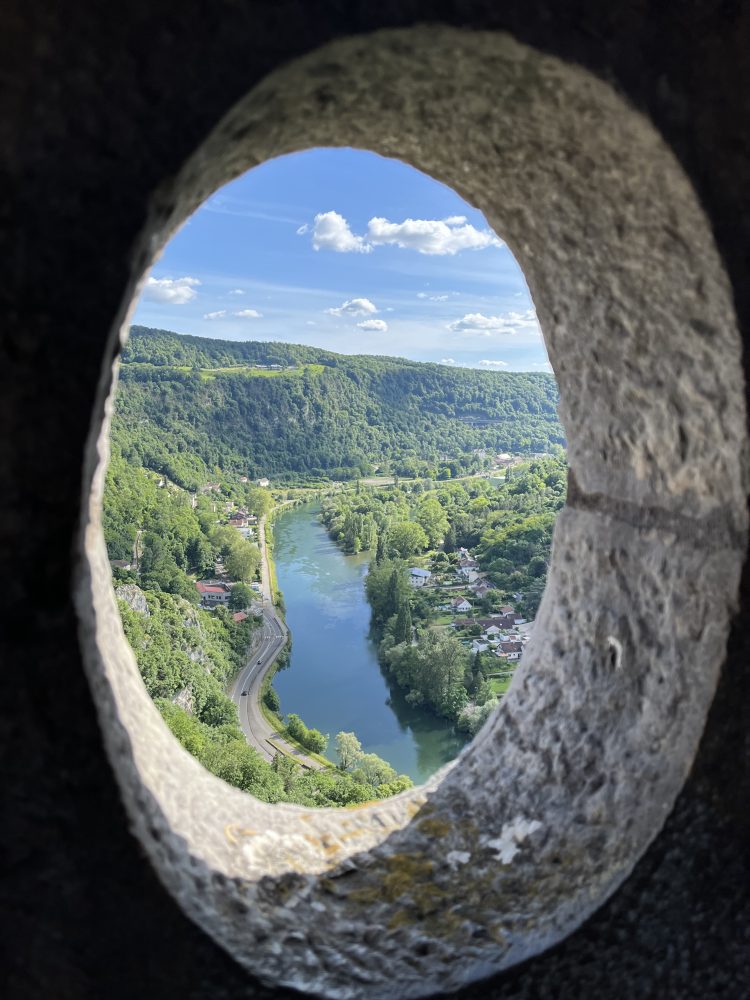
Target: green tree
<point>243,561</point>
<point>271,699</point>
<point>430,515</point>
<point>406,538</point>
<point>380,551</point>
<point>241,597</point>
<point>349,750</point>
<point>403,627</point>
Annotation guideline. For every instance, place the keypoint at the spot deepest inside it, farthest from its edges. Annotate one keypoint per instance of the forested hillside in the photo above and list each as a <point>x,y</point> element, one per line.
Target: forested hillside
<point>188,405</point>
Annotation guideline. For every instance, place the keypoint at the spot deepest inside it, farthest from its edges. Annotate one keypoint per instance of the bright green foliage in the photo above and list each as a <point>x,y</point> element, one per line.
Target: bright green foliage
<point>180,647</point>
<point>241,597</point>
<point>387,587</point>
<point>243,561</point>
<point>406,538</point>
<point>272,700</point>
<point>312,739</point>
<point>349,750</point>
<point>432,517</point>
<point>432,671</point>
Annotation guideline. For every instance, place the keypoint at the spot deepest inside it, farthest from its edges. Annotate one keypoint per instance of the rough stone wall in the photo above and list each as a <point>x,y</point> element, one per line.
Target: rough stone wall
<point>102,106</point>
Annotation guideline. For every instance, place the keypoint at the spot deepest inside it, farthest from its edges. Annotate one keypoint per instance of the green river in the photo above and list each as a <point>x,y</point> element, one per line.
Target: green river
<point>334,681</point>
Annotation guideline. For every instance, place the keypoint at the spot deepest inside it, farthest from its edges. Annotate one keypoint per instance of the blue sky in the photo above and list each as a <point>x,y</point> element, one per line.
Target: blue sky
<point>347,250</point>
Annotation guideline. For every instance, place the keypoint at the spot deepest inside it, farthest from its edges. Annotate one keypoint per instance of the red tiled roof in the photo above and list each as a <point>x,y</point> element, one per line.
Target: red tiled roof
<point>239,616</point>
<point>210,588</point>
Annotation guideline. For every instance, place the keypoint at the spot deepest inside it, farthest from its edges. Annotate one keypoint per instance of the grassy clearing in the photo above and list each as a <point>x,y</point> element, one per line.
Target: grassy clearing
<point>499,685</point>
<point>209,374</point>
<point>445,619</point>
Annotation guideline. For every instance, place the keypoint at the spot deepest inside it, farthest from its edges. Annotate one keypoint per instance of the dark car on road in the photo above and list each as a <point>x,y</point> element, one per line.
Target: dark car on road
<point>244,692</point>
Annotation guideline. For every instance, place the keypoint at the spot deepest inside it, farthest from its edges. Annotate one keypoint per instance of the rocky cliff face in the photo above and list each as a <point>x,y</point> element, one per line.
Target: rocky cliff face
<point>134,597</point>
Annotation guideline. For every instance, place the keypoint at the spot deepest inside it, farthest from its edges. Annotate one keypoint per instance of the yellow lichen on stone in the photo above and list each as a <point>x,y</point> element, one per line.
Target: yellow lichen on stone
<point>434,827</point>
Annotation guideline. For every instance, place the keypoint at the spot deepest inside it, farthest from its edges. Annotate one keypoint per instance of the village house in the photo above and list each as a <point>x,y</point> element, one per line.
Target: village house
<point>468,570</point>
<point>419,577</point>
<point>263,482</point>
<point>239,616</point>
<point>478,646</point>
<point>212,593</point>
<point>238,520</point>
<point>244,479</point>
<point>460,604</point>
<point>510,650</point>
<point>481,587</point>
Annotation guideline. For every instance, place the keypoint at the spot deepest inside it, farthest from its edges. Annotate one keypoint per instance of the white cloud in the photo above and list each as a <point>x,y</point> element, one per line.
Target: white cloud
<point>248,314</point>
<point>377,325</point>
<point>219,314</point>
<point>432,298</point>
<point>493,364</point>
<point>331,232</point>
<point>448,361</point>
<point>487,326</point>
<point>178,291</point>
<point>431,236</point>
<point>311,322</point>
<point>237,291</point>
<point>353,307</point>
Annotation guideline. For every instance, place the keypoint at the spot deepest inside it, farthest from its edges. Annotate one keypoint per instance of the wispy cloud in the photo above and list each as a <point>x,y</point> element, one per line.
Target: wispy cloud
<point>432,298</point>
<point>176,291</point>
<point>237,291</point>
<point>353,307</point>
<point>223,205</point>
<point>239,313</point>
<point>493,364</point>
<point>374,325</point>
<point>487,326</point>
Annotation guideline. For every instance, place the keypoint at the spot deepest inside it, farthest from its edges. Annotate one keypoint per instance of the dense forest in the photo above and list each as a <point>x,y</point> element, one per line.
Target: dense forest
<point>507,524</point>
<point>187,406</point>
<point>169,537</point>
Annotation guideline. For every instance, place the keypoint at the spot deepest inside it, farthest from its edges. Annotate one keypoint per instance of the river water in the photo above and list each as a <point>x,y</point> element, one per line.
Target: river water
<point>334,681</point>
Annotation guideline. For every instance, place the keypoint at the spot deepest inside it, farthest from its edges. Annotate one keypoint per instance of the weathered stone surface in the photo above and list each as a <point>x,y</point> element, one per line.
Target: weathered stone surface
<point>97,121</point>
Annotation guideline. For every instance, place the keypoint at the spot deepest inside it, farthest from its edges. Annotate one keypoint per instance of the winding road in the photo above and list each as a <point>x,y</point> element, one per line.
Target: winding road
<point>268,642</point>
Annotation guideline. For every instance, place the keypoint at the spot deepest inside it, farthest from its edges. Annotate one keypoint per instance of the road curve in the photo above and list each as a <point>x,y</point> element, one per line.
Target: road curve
<point>268,641</point>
